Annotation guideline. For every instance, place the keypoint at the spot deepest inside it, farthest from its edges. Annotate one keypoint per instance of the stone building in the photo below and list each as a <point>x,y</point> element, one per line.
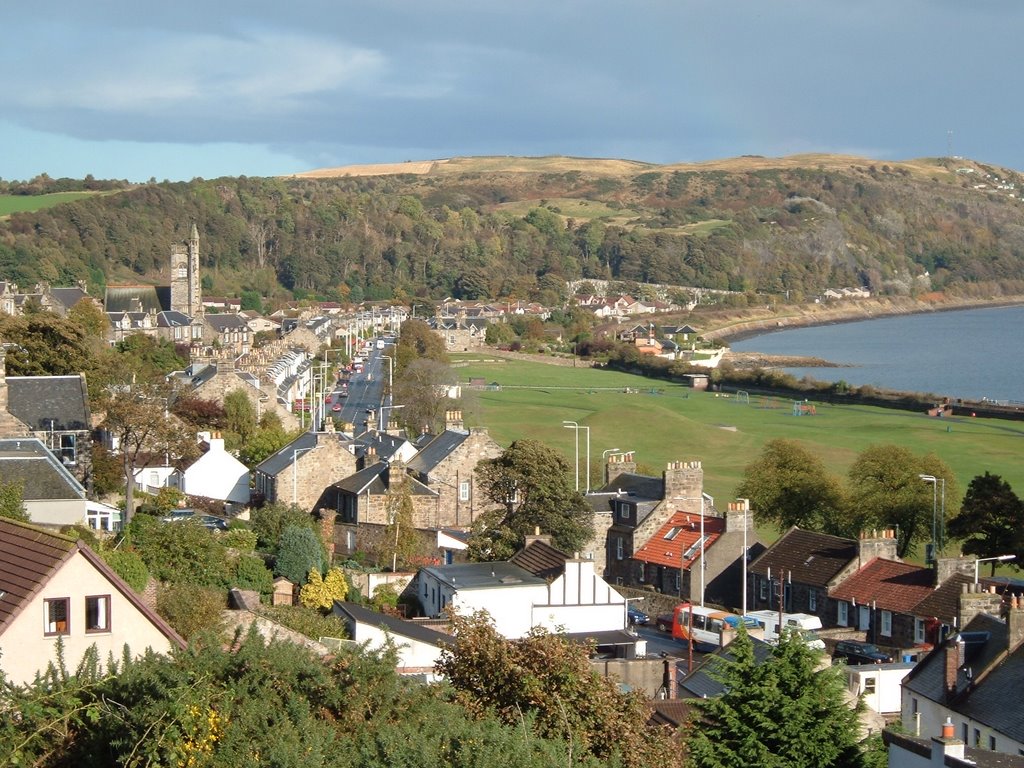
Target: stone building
<point>300,472</point>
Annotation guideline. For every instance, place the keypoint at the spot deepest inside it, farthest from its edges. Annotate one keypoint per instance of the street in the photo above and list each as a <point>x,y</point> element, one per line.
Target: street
<point>659,643</point>
<point>364,391</point>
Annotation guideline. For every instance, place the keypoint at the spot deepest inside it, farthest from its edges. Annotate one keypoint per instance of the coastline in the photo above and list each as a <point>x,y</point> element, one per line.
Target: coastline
<point>739,327</point>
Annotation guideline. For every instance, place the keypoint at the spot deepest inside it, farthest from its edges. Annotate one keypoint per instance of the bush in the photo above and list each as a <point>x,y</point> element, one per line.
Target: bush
<point>299,553</point>
<point>129,566</point>
<point>307,621</point>
<point>252,573</point>
<point>242,539</point>
<point>180,552</point>
<point>322,592</point>
<point>270,521</point>
<point>191,609</point>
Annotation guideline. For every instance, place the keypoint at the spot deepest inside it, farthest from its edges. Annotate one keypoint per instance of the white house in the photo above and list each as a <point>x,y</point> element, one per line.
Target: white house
<point>878,685</point>
<point>217,474</point>
<point>418,647</point>
<point>55,588</point>
<point>151,479</point>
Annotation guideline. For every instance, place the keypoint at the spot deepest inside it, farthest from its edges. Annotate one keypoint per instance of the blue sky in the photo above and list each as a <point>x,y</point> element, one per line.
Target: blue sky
<point>248,87</point>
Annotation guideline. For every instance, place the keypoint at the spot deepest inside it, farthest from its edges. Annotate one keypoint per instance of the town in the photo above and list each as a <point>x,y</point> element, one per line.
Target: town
<point>317,459</point>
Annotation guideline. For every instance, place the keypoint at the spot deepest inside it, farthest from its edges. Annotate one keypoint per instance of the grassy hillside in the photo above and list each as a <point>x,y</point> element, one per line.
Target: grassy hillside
<point>663,422</point>
<point>28,203</point>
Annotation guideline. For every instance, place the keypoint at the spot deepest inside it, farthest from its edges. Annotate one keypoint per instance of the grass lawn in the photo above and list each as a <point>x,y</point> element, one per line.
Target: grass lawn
<point>21,203</point>
<point>664,422</point>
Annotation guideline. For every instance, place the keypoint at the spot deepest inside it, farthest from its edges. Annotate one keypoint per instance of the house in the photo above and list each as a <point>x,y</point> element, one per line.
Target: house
<point>53,588</point>
<point>150,478</point>
<point>299,472</point>
<point>906,751</point>
<point>418,647</point>
<point>461,334</point>
<point>54,409</point>
<point>974,678</point>
<point>808,565</point>
<point>577,601</point>
<point>447,464</point>
<point>216,474</point>
<point>52,496</point>
<point>229,332</point>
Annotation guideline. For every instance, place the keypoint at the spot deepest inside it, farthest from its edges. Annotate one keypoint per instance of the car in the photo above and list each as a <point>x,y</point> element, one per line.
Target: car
<point>636,616</point>
<point>336,407</point>
<point>210,522</point>
<point>857,652</point>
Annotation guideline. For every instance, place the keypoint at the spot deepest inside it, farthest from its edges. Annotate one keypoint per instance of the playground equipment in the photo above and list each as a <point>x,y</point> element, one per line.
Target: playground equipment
<point>742,396</point>
<point>803,408</point>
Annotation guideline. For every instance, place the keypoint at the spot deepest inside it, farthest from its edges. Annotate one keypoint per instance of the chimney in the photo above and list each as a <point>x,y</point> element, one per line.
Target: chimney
<point>975,600</point>
<point>537,536</point>
<point>946,746</point>
<point>948,566</point>
<point>684,480</point>
<point>392,428</point>
<point>739,516</point>
<point>668,678</point>
<point>453,420</point>
<point>876,544</point>
<point>619,464</point>
<point>953,660</point>
<point>1014,622</point>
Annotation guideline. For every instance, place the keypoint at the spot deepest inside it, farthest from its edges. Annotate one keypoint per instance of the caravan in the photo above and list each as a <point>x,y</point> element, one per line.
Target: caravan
<point>803,623</point>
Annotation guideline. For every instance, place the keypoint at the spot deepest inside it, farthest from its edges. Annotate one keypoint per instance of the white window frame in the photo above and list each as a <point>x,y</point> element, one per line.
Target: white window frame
<point>643,572</point>
<point>620,548</point>
<point>843,614</point>
<point>886,622</point>
<point>762,588</point>
<point>919,630</point>
<point>464,490</point>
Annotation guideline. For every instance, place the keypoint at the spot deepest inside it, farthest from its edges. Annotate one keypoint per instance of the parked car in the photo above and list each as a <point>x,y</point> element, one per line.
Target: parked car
<point>857,652</point>
<point>210,522</point>
<point>636,616</point>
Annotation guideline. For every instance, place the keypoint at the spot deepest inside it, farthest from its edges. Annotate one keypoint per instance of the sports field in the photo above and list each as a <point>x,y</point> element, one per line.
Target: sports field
<point>664,422</point>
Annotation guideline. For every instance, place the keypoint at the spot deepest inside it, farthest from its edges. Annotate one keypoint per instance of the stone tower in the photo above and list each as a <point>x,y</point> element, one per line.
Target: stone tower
<point>186,289</point>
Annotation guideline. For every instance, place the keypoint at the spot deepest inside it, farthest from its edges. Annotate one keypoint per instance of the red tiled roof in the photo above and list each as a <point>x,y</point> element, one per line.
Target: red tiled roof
<point>661,550</point>
<point>889,585</point>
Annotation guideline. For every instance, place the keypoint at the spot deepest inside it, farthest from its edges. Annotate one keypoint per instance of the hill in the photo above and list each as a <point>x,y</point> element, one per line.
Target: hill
<point>503,226</point>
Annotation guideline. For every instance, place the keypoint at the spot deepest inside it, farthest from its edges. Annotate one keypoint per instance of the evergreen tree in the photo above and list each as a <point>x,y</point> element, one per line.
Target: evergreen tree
<point>783,713</point>
<point>991,520</point>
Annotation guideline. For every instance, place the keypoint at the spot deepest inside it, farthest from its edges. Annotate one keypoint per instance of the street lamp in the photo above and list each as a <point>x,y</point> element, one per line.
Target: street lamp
<point>999,558</point>
<point>746,524</point>
<point>703,497</point>
<point>381,425</point>
<point>576,428</point>
<point>930,557</point>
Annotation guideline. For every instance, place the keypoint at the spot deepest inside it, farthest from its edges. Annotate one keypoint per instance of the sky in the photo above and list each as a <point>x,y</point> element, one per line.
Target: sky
<point>138,90</point>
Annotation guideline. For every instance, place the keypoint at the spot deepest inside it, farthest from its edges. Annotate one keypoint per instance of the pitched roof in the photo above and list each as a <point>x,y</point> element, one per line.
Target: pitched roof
<point>483,575</point>
<point>41,474</point>
<point>986,638</point>
<point>392,624</point>
<point>944,603</point>
<point>678,540</point>
<point>437,450</point>
<point>49,403</point>
<point>995,699</point>
<point>118,298</point>
<point>283,459</point>
<point>68,297</point>
<point>29,557</point>
<point>540,559</point>
<point>226,322</point>
<point>375,480</point>
<point>812,558</point>
<point>636,486</point>
<point>887,584</point>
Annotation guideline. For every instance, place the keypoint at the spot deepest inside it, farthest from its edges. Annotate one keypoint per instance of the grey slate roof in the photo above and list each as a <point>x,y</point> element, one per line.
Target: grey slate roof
<point>41,474</point>
<point>282,460</point>
<point>496,575</point>
<point>172,319</point>
<point>704,681</point>
<point>118,298</point>
<point>375,480</point>
<point>45,403</point>
<point>638,486</point>
<point>227,322</point>
<point>812,558</point>
<point>393,624</point>
<point>989,637</point>
<point>436,451</point>
<point>68,297</point>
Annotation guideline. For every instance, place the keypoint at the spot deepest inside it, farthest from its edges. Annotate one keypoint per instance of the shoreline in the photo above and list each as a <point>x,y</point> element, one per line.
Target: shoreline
<point>852,311</point>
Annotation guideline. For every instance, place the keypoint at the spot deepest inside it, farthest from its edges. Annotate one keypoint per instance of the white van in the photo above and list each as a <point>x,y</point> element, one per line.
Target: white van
<point>804,623</point>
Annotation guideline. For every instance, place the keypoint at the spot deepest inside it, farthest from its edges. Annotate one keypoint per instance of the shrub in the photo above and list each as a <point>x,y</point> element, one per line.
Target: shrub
<point>298,553</point>
<point>129,566</point>
<point>191,609</point>
<point>252,573</point>
<point>242,539</point>
<point>306,621</point>
<point>322,592</point>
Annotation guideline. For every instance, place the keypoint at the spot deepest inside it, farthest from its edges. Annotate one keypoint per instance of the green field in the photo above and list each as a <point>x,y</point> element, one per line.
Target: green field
<point>26,203</point>
<point>664,422</point>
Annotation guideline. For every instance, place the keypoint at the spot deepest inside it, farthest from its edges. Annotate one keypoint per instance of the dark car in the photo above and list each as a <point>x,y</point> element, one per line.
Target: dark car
<point>636,616</point>
<point>856,652</point>
<point>210,522</point>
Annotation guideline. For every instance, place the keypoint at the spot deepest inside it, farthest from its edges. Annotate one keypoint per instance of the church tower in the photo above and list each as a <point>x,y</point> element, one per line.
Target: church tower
<point>186,288</point>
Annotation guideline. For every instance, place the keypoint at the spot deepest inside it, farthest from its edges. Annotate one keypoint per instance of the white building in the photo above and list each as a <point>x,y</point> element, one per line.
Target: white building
<point>418,647</point>
<point>217,474</point>
<point>878,685</point>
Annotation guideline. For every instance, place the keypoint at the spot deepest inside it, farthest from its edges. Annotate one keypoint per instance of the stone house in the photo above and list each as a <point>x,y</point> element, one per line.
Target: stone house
<point>447,465</point>
<point>461,334</point>
<point>229,332</point>
<point>51,494</point>
<point>57,590</point>
<point>54,409</point>
<point>299,472</point>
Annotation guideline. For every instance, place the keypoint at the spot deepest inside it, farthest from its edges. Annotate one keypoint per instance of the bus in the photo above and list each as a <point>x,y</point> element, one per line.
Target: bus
<point>705,626</point>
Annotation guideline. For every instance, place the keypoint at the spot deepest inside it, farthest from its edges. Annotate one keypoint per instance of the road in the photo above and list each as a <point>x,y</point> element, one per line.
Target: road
<point>659,643</point>
<point>364,392</point>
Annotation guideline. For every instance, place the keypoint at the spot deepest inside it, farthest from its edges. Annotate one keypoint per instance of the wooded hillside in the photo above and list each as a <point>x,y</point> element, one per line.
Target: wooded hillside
<point>519,227</point>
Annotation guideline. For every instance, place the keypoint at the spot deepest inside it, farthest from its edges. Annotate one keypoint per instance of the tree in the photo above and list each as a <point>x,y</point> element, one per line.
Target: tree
<point>886,491</point>
<point>991,520</point>
<point>545,682</point>
<point>321,591</point>
<point>530,483</point>
<point>422,390</point>
<point>239,415</point>
<point>786,712</point>
<point>43,344</point>
<point>788,485</point>
<point>270,521</point>
<point>12,505</point>
<point>401,544</point>
<point>137,420</point>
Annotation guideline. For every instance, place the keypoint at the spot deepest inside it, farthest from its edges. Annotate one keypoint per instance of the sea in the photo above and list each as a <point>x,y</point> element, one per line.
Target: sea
<point>974,354</point>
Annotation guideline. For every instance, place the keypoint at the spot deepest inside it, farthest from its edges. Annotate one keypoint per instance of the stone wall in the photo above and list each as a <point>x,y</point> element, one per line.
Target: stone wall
<point>314,470</point>
<point>457,468</point>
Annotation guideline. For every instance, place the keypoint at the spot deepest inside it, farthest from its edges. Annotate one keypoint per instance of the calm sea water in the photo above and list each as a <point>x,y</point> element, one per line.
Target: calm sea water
<point>973,354</point>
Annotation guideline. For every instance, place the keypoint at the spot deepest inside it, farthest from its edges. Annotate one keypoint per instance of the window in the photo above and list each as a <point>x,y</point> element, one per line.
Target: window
<point>679,583</point>
<point>464,490</point>
<point>762,589</point>
<point>643,572</point>
<point>992,743</point>
<point>887,623</point>
<point>869,686</point>
<point>56,617</point>
<point>842,614</point>
<point>97,613</point>
<point>918,630</point>
<point>68,449</point>
<point>812,601</point>
<point>623,511</point>
<point>963,733</point>
<point>350,540</point>
<point>619,548</point>
<point>914,707</point>
<point>977,737</point>
<point>673,532</point>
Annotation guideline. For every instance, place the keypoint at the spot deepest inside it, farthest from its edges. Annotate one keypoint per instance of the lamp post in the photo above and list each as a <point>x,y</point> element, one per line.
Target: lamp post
<point>604,462</point>
<point>576,428</point>
<point>746,524</point>
<point>930,556</point>
<point>703,497</point>
<point>625,607</point>
<point>381,425</point>
<point>997,558</point>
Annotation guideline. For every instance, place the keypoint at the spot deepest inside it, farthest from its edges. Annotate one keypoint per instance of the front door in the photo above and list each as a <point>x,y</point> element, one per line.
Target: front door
<point>863,617</point>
